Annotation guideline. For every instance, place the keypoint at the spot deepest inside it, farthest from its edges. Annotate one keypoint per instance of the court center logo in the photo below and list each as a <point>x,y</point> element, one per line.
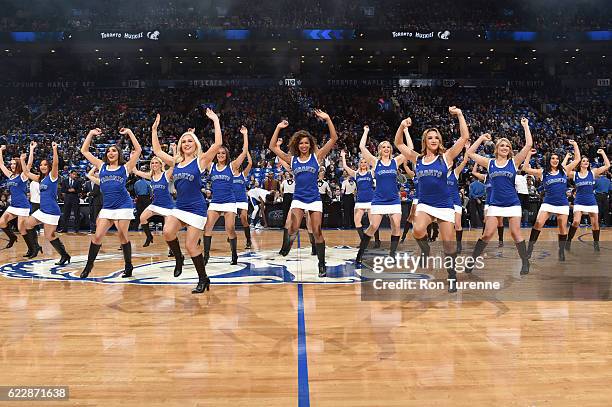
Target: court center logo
<point>261,267</point>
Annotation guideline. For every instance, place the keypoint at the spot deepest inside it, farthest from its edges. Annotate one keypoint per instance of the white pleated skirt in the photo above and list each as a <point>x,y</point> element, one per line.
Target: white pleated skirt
<point>189,218</point>
<point>224,207</point>
<point>363,205</point>
<point>117,214</point>
<point>316,206</point>
<point>458,209</point>
<point>159,210</point>
<point>386,209</point>
<point>242,205</point>
<point>504,211</point>
<point>18,211</point>
<point>558,210</point>
<point>444,214</point>
<point>586,208</point>
<point>46,218</point>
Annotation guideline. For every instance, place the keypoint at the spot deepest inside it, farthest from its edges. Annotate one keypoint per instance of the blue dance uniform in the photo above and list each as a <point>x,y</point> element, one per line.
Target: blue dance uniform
<point>162,200</point>
<point>365,188</point>
<point>555,193</point>
<point>190,206</point>
<point>585,193</point>
<point>504,199</point>
<point>117,203</point>
<point>386,198</point>
<point>240,191</point>
<point>49,211</point>
<point>434,198</point>
<point>222,188</point>
<point>306,195</point>
<point>453,190</point>
<point>18,188</point>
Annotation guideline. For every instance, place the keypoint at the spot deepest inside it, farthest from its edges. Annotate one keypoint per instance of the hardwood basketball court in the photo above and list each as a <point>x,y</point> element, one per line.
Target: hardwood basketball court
<point>271,333</point>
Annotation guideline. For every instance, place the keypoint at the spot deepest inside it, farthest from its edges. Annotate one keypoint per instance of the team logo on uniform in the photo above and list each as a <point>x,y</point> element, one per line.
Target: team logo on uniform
<point>261,267</point>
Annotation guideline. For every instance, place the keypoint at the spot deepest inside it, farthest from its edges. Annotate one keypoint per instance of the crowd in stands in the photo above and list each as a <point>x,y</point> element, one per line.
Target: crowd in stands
<point>466,15</point>
<point>555,116</point>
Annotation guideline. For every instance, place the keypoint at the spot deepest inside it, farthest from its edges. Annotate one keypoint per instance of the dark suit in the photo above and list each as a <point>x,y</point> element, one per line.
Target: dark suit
<point>94,198</point>
<point>71,201</point>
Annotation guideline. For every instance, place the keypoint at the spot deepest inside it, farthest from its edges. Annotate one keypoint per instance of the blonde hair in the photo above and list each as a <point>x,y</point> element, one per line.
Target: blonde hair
<point>161,163</point>
<point>380,146</point>
<point>179,145</point>
<point>498,142</point>
<point>441,148</point>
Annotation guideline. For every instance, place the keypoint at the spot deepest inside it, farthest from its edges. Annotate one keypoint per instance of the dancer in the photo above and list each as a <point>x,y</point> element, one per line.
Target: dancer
<point>223,197</point>
<point>386,200</point>
<point>49,213</point>
<point>242,201</point>
<point>554,178</point>
<point>415,201</point>
<point>585,202</point>
<point>504,200</point>
<point>190,206</point>
<point>305,157</point>
<point>162,204</point>
<point>453,190</point>
<point>365,193</point>
<point>17,185</point>
<point>117,208</point>
<point>488,195</point>
<point>432,167</point>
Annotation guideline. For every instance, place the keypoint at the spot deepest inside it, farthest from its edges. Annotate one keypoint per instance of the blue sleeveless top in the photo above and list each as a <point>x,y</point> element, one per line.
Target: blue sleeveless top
<point>188,185</point>
<point>48,197</point>
<point>585,189</point>
<point>239,184</point>
<point>112,186</point>
<point>555,188</point>
<point>18,189</point>
<point>306,174</point>
<point>453,188</point>
<point>415,181</point>
<point>433,188</point>
<point>161,192</point>
<point>386,192</point>
<point>365,187</point>
<point>222,184</point>
<point>503,189</point>
<point>488,190</point>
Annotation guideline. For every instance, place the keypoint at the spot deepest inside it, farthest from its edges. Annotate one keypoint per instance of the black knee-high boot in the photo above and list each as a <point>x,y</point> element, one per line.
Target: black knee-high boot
<point>393,247</point>
<point>360,232</point>
<point>288,243</point>
<point>207,244</point>
<point>321,257</point>
<point>522,251</point>
<point>147,231</point>
<point>234,247</point>
<point>562,241</point>
<point>500,235</point>
<point>247,235</point>
<point>436,232</point>
<point>407,227</point>
<point>29,241</point>
<point>313,244</point>
<point>94,249</point>
<point>459,237</point>
<point>481,245</point>
<point>449,262</point>
<point>285,241</point>
<point>570,236</point>
<point>11,235</point>
<point>61,250</point>
<point>203,280</point>
<point>127,259</point>
<point>425,250</point>
<point>376,239</point>
<point>596,239</point>
<point>363,245</point>
<point>430,232</point>
<point>533,238</point>
<point>179,259</point>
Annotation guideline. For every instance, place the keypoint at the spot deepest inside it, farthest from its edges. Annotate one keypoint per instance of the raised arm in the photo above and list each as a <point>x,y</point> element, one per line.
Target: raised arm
<point>245,149</point>
<point>137,149</point>
<point>407,150</point>
<point>333,136</point>
<point>274,145</point>
<point>570,167</point>
<point>463,162</point>
<point>247,170</point>
<point>520,157</point>
<point>207,157</point>
<point>33,146</point>
<point>5,170</point>
<point>55,164</point>
<point>478,175</point>
<point>90,176</point>
<point>141,174</point>
<point>25,170</point>
<point>157,150</point>
<point>364,150</point>
<point>351,172</point>
<point>409,172</point>
<point>536,172</point>
<point>464,133</point>
<point>95,161</point>
<point>602,170</point>
<point>471,152</point>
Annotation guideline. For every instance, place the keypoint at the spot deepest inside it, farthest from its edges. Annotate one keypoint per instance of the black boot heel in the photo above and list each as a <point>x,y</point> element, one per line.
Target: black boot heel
<point>178,268</point>
<point>202,286</point>
<point>127,272</point>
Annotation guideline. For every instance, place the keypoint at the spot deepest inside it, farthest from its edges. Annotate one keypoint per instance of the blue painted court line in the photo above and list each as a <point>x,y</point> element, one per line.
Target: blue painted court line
<point>303,387</point>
